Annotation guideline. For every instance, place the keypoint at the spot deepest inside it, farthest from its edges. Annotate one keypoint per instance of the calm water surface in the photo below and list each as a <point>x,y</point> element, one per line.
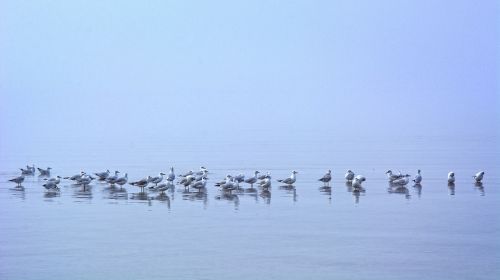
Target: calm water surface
<point>432,232</point>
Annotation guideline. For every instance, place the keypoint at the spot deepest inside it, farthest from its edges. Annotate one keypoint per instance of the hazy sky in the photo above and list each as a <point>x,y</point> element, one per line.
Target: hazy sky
<point>122,70</point>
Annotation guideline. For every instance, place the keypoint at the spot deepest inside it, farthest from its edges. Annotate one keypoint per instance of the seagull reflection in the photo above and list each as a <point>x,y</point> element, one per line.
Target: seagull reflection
<point>18,191</point>
<point>479,187</point>
<point>82,192</point>
<point>142,196</point>
<point>266,196</point>
<point>196,196</point>
<point>229,197</point>
<point>399,190</point>
<point>51,194</point>
<point>164,198</point>
<point>349,187</point>
<point>418,189</point>
<point>116,193</point>
<point>357,192</point>
<point>326,190</point>
<point>451,187</point>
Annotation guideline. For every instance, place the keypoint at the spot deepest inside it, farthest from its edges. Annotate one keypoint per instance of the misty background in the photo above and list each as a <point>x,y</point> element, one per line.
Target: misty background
<point>120,74</point>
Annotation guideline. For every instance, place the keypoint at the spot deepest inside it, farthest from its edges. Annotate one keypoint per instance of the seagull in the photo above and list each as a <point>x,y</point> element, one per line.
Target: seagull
<point>357,180</point>
<point>157,179</point>
<point>402,181</point>
<point>18,180</point>
<point>75,177</point>
<point>190,172</point>
<point>202,176</point>
<point>102,175</point>
<point>478,177</point>
<point>262,177</point>
<point>55,180</point>
<point>51,185</point>
<point>349,176</point>
<point>187,181</point>
<point>202,171</point>
<point>200,185</point>
<point>85,180</point>
<point>227,179</point>
<point>122,180</point>
<point>252,180</point>
<point>112,179</point>
<point>239,178</point>
<point>326,178</point>
<point>164,186</point>
<point>451,177</point>
<point>290,180</point>
<point>392,176</point>
<point>45,172</point>
<point>266,183</point>
<point>32,168</point>
<point>28,171</point>
<point>418,178</point>
<point>171,175</point>
<point>141,183</point>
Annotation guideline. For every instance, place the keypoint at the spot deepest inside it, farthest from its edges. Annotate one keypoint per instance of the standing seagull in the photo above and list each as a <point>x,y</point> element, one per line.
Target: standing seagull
<point>290,180</point>
<point>252,180</point>
<point>478,177</point>
<point>18,180</point>
<point>418,178</point>
<point>402,181</point>
<point>112,179</point>
<point>141,183</point>
<point>44,172</point>
<point>391,176</point>
<point>349,176</point>
<point>156,180</point>
<point>451,177</point>
<point>326,178</point>
<point>102,175</point>
<point>356,182</point>
<point>122,180</point>
<point>171,175</point>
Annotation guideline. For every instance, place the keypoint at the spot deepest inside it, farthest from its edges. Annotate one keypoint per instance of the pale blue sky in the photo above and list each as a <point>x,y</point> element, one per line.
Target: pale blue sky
<point>102,69</point>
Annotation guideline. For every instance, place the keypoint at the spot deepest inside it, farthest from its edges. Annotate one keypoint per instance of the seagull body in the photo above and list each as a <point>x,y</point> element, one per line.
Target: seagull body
<point>418,178</point>
<point>51,185</point>
<point>349,176</point>
<point>85,180</point>
<point>156,180</point>
<point>141,183</point>
<point>28,171</point>
<point>357,181</point>
<point>122,180</point>
<point>18,180</point>
<point>391,176</point>
<point>164,186</point>
<point>112,179</point>
<point>202,171</point>
<point>479,176</point>
<point>55,180</point>
<point>171,175</point>
<point>190,172</point>
<point>266,183</point>
<point>402,181</point>
<point>75,177</point>
<point>451,177</point>
<point>44,172</point>
<point>326,178</point>
<point>200,185</point>
<point>264,176</point>
<point>102,175</point>
<point>204,175</point>
<point>252,180</point>
<point>290,180</point>
<point>239,178</point>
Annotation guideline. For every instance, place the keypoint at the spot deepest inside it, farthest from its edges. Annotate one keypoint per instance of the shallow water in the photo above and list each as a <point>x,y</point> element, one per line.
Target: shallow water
<point>433,232</point>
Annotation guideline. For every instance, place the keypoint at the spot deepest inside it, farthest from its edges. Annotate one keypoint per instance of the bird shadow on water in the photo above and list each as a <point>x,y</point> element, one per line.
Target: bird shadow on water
<point>418,189</point>
<point>357,192</point>
<point>290,191</point>
<point>327,191</point>
<point>196,196</point>
<point>230,197</point>
<point>115,193</point>
<point>266,196</point>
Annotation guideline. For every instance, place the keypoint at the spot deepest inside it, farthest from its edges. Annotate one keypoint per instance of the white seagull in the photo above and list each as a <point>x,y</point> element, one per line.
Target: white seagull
<point>290,180</point>
<point>349,175</point>
<point>18,180</point>
<point>252,180</point>
<point>171,175</point>
<point>478,177</point>
<point>451,177</point>
<point>418,178</point>
<point>44,172</point>
<point>326,178</point>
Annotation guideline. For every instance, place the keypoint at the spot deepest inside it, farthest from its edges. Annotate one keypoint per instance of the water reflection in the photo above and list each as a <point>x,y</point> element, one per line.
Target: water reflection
<point>229,197</point>
<point>18,192</point>
<point>451,187</point>
<point>82,192</point>
<point>266,196</point>
<point>115,193</point>
<point>164,198</point>
<point>418,188</point>
<point>52,194</point>
<point>479,186</point>
<point>399,190</point>
<point>199,195</point>
<point>326,190</point>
